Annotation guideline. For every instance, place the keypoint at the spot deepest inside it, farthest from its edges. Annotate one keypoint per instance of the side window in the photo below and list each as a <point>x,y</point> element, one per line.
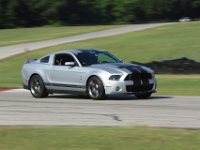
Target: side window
<point>61,59</point>
<point>44,59</point>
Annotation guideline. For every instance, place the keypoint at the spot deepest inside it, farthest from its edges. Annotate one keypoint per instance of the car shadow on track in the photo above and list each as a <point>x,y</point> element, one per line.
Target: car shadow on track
<point>132,97</point>
<point>109,98</point>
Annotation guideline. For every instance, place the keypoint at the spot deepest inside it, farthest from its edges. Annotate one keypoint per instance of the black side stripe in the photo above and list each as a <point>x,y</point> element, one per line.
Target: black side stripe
<point>64,85</point>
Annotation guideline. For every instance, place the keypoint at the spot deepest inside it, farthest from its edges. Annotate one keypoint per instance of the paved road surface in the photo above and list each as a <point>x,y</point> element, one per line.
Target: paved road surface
<point>8,51</point>
<point>17,107</point>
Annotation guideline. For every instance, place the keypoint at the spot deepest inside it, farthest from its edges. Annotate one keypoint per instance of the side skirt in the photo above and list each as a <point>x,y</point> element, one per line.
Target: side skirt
<point>64,88</point>
<point>52,91</point>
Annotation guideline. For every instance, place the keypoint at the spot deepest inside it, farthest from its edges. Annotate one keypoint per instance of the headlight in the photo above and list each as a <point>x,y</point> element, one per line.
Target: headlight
<point>115,77</point>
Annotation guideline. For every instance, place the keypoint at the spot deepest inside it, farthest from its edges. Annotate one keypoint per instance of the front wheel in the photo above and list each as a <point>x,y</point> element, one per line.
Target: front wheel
<point>95,88</point>
<point>143,96</point>
<point>37,87</point>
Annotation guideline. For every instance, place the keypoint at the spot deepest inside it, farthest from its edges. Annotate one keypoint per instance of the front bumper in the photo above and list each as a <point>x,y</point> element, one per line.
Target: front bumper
<point>129,87</point>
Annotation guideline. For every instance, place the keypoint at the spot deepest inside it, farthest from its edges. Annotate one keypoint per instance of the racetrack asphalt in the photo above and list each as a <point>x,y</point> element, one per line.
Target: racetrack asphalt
<point>11,50</point>
<point>18,107</point>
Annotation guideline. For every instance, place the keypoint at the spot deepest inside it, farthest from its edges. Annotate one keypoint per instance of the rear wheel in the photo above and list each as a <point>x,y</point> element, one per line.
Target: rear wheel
<point>37,87</point>
<point>95,88</point>
<point>143,96</point>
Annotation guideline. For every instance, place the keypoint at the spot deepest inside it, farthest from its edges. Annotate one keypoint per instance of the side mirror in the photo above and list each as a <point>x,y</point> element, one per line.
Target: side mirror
<point>69,64</point>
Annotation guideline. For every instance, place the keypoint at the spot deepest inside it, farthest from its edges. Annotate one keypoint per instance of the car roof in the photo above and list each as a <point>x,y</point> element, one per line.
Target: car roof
<point>75,51</point>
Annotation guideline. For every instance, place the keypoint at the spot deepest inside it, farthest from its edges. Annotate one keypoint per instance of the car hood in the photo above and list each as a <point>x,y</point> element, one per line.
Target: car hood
<point>120,68</point>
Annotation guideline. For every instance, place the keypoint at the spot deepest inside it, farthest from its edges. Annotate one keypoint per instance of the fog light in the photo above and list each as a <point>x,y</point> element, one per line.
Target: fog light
<point>118,88</point>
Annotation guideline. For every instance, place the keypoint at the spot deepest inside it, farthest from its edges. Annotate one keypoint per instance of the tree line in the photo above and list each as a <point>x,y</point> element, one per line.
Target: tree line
<point>30,13</point>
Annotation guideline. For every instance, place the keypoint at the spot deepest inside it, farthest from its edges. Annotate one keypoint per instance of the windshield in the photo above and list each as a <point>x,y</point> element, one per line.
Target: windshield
<point>87,58</point>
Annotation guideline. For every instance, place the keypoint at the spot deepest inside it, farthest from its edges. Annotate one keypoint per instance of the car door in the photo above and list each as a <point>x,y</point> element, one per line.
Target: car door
<point>64,77</point>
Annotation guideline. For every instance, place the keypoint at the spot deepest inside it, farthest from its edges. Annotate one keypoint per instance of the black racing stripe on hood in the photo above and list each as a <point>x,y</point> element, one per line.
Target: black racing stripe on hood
<point>135,69</point>
<point>143,71</point>
<point>132,69</point>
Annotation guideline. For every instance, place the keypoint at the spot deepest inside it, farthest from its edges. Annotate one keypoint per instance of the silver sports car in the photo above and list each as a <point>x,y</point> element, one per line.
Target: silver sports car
<point>93,72</point>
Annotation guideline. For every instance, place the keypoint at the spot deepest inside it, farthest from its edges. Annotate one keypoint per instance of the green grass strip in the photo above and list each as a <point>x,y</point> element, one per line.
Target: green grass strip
<point>178,85</point>
<point>95,138</point>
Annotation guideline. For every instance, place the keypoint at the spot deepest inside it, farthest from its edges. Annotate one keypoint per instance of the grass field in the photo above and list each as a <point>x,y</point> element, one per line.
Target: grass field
<point>23,35</point>
<point>178,85</point>
<point>93,138</point>
<point>168,42</point>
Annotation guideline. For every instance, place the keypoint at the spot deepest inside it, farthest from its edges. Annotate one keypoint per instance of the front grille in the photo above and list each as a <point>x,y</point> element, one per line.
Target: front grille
<point>135,89</point>
<point>138,76</point>
<point>140,82</point>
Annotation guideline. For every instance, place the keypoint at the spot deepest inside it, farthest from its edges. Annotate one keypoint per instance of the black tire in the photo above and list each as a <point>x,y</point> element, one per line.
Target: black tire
<point>95,88</point>
<point>37,87</point>
<point>143,96</point>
